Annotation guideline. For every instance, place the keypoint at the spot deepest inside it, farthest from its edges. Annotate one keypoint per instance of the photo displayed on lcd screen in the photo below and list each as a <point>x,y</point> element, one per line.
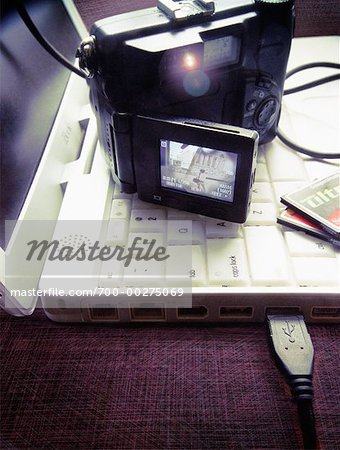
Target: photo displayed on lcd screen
<point>198,170</point>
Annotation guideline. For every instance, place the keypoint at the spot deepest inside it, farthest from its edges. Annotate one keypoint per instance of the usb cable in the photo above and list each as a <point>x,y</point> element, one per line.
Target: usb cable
<point>294,350</point>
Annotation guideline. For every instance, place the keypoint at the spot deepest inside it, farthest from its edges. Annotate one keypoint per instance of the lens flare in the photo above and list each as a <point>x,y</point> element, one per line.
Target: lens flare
<point>196,83</point>
<point>190,61</point>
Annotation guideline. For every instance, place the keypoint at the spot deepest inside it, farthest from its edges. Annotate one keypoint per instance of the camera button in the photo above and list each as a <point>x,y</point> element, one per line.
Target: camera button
<point>259,93</point>
<point>251,105</point>
<point>263,83</point>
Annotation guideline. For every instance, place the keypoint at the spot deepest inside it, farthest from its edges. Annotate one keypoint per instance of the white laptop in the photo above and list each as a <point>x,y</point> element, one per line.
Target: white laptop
<point>57,188</point>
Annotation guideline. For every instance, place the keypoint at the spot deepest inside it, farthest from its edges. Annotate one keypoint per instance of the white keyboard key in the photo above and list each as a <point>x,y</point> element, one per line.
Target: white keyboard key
<point>117,232</point>
<point>198,273</point>
<point>178,266</point>
<point>267,256</point>
<point>184,232</point>
<point>146,242</point>
<point>142,272</point>
<point>185,268</point>
<point>147,220</point>
<point>176,214</point>
<point>284,164</point>
<point>179,232</point>
<point>198,233</point>
<point>282,188</point>
<point>300,244</point>
<point>262,214</point>
<point>261,173</point>
<point>316,271</point>
<point>262,193</point>
<point>216,229</point>
<point>120,209</point>
<point>111,272</point>
<point>227,262</point>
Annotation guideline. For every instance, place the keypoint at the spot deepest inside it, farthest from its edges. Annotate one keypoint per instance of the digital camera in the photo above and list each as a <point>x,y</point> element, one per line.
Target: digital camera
<point>222,61</point>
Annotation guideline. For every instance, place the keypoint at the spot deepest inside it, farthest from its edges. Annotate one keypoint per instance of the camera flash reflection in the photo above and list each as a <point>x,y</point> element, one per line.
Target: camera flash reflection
<point>190,62</point>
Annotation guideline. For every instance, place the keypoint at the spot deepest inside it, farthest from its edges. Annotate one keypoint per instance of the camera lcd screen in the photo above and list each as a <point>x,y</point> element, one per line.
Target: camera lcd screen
<point>198,170</point>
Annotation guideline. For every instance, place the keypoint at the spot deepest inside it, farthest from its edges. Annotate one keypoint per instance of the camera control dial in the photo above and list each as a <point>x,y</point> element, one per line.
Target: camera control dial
<point>266,113</point>
<point>274,6</point>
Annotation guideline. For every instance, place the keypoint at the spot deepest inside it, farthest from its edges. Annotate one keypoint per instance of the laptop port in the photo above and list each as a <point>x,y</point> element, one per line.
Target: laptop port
<point>103,313</point>
<point>147,313</point>
<point>325,312</point>
<point>196,312</point>
<point>283,310</point>
<point>236,311</point>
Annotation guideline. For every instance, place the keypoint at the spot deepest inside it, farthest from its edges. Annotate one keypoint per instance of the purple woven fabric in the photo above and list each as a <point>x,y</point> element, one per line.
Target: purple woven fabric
<point>313,17</point>
<point>85,386</point>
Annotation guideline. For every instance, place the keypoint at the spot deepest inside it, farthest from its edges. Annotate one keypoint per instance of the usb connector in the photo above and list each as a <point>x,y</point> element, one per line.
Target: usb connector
<point>292,344</point>
<point>294,350</point>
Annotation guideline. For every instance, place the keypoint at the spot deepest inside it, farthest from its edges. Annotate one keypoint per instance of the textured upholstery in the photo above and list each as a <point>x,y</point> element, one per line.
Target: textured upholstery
<point>81,386</point>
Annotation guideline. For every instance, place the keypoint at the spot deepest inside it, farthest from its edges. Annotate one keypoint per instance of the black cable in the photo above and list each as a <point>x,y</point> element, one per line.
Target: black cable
<point>329,65</point>
<point>310,85</point>
<point>307,423</point>
<point>305,151</point>
<point>42,41</point>
<point>294,350</point>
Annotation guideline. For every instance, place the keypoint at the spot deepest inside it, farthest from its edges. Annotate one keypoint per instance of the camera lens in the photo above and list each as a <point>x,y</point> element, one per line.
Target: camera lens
<point>196,83</point>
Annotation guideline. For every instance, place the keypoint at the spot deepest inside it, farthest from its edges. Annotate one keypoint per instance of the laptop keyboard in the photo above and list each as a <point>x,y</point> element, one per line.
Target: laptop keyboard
<point>258,253</point>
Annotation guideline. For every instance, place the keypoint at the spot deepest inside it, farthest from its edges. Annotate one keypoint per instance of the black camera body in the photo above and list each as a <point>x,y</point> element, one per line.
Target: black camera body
<point>222,61</point>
